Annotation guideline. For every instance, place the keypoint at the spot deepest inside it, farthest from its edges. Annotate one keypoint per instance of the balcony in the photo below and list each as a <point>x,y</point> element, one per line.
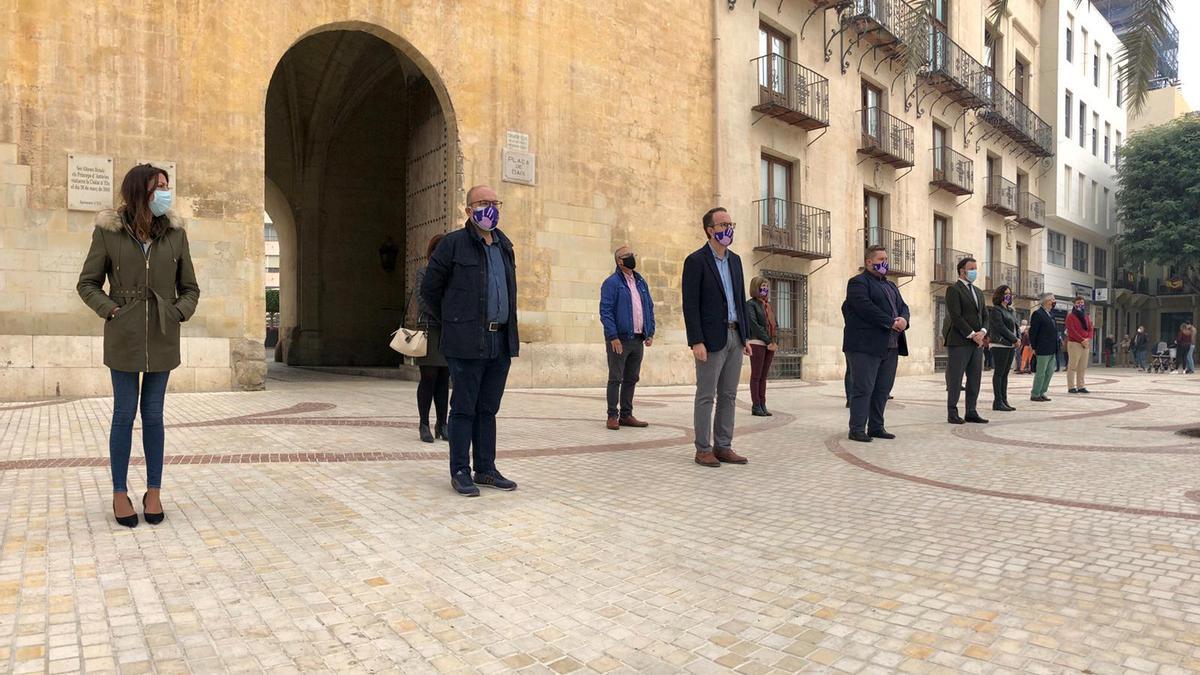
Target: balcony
<point>1031,211</point>
<point>881,25</point>
<point>1013,118</point>
<point>793,229</point>
<point>901,248</point>
<point>953,172</point>
<point>954,73</point>
<point>791,93</point>
<point>997,274</point>
<point>886,138</point>
<point>945,265</point>
<point>1030,284</point>
<point>1001,196</point>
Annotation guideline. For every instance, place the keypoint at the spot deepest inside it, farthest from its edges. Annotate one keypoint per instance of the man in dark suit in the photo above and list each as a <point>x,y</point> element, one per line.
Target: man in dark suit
<point>1043,337</point>
<point>964,332</point>
<point>876,317</point>
<point>714,315</point>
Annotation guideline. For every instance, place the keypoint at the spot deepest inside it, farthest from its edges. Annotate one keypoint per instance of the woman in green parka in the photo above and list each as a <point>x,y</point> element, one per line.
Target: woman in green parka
<point>141,250</point>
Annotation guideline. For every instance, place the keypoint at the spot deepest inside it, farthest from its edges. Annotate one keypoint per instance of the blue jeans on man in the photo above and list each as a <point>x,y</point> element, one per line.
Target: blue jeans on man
<point>474,401</point>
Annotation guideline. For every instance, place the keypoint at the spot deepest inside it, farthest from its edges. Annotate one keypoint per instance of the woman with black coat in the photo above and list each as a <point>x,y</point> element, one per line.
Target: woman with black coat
<point>1002,333</point>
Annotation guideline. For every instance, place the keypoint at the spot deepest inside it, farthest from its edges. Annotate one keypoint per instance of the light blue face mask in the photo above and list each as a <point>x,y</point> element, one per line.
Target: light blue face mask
<point>161,202</point>
<point>971,274</point>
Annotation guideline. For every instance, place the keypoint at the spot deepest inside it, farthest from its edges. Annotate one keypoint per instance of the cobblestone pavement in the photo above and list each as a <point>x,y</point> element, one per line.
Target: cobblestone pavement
<point>309,530</point>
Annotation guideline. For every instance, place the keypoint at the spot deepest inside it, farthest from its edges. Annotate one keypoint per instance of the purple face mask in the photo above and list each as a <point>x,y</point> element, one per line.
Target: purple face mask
<point>486,217</point>
<point>724,237</point>
<point>881,268</point>
<point>1008,298</point>
<point>764,292</point>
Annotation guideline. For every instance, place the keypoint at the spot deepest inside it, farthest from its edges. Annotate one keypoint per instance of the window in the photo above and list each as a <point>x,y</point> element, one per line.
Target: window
<point>789,298</point>
<point>1068,174</point>
<point>1056,248</point>
<point>940,156</point>
<point>941,233</point>
<point>1105,211</point>
<point>1083,44</point>
<point>272,264</point>
<point>773,71</point>
<point>872,218</point>
<point>1096,65</point>
<point>1019,79</point>
<point>1120,89</point>
<point>1070,47</point>
<point>1082,124</point>
<point>269,233</point>
<point>1082,186</point>
<point>1068,108</point>
<point>1101,263</point>
<point>1079,255</point>
<point>1095,135</point>
<point>775,190</point>
<point>941,13</point>
<point>1093,199</point>
<point>1117,157</point>
<point>989,256</point>
<point>872,103</point>
<point>1108,76</point>
<point>1107,142</point>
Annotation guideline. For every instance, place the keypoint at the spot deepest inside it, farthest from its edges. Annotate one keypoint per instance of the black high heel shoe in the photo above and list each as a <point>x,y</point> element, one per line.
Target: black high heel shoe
<point>426,437</point>
<point>127,521</point>
<point>152,518</point>
<point>439,431</point>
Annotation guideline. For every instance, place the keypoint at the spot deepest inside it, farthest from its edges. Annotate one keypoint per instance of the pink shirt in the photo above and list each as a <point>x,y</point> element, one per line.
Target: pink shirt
<point>631,282</point>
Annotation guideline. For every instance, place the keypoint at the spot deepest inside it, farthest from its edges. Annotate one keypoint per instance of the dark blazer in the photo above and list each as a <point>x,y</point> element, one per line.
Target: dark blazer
<point>868,315</point>
<point>454,292</point>
<point>963,315</point>
<point>1002,326</point>
<point>1043,334</point>
<point>705,307</point>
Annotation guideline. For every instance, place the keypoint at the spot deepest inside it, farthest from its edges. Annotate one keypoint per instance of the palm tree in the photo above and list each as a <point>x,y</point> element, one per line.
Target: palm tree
<point>1138,54</point>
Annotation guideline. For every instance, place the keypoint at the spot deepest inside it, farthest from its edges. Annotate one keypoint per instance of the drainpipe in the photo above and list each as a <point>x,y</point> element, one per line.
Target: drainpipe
<point>716,101</point>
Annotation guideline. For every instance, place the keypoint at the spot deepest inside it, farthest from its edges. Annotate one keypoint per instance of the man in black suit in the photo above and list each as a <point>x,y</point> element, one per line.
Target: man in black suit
<point>714,315</point>
<point>876,317</point>
<point>964,332</point>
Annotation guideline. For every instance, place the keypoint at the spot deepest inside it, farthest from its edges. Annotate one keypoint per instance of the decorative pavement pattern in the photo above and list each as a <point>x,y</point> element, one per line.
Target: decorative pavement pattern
<point>308,530</point>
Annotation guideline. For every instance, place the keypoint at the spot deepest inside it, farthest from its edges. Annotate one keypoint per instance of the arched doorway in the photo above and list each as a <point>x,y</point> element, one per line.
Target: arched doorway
<point>359,153</point>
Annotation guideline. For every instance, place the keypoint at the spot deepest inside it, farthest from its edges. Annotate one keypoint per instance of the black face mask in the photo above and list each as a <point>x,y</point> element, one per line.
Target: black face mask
<point>629,262</point>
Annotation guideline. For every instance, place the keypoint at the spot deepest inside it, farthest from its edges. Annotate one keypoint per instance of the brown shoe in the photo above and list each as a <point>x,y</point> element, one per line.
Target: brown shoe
<point>613,423</point>
<point>707,459</point>
<point>631,421</point>
<point>728,456</point>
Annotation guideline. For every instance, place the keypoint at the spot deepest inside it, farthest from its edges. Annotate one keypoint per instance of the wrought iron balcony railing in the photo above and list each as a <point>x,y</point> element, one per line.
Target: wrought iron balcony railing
<point>945,264</point>
<point>954,72</point>
<point>1001,196</point>
<point>1012,117</point>
<point>791,93</point>
<point>953,171</point>
<point>886,138</point>
<point>1031,284</point>
<point>1031,211</point>
<point>881,24</point>
<point>997,274</point>
<point>901,248</point>
<point>793,229</point>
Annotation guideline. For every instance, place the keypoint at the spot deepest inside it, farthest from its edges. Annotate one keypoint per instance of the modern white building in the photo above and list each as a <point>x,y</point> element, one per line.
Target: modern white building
<point>1081,89</point>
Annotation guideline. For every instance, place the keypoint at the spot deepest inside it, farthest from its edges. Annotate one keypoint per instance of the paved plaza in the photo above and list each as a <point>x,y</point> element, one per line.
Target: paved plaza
<point>308,530</point>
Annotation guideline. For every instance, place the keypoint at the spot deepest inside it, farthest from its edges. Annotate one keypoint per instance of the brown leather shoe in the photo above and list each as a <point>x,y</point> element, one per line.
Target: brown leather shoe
<point>613,423</point>
<point>728,456</point>
<point>631,421</point>
<point>707,459</point>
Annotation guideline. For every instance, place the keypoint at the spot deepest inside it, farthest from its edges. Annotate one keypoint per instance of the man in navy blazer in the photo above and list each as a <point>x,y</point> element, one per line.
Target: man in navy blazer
<point>715,318</point>
<point>876,318</point>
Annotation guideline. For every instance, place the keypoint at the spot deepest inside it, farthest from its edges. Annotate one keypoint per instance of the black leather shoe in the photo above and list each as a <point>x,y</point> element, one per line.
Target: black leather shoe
<point>1008,407</point>
<point>757,411</point>
<point>1083,390</point>
<point>495,480</point>
<point>996,405</point>
<point>127,521</point>
<point>426,434</point>
<point>953,418</point>
<point>463,485</point>
<point>1072,391</point>
<point>152,518</point>
<point>859,436</point>
<point>765,411</point>
<point>881,433</point>
<point>974,418</point>
<point>439,431</point>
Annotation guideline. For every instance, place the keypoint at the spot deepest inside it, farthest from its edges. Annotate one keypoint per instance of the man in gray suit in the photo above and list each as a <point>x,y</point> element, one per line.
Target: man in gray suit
<point>964,334</point>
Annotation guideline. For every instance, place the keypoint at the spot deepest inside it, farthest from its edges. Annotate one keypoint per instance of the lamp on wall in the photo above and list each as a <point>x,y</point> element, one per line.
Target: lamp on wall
<point>388,252</point>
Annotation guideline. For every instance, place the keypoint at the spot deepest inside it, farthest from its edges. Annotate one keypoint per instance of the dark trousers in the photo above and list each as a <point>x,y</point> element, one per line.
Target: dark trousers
<point>434,389</point>
<point>760,365</point>
<point>478,388</point>
<point>1002,360</point>
<point>872,377</point>
<point>128,388</point>
<point>624,370</point>
<point>968,360</point>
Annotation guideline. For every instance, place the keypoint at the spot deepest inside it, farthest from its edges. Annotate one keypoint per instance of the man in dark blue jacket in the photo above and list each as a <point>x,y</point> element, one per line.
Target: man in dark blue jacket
<point>715,317</point>
<point>470,287</point>
<point>1043,337</point>
<point>876,318</point>
<point>627,314</point>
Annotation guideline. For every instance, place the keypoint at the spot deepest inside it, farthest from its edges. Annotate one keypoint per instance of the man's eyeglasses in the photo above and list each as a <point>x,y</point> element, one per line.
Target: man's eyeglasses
<point>482,203</point>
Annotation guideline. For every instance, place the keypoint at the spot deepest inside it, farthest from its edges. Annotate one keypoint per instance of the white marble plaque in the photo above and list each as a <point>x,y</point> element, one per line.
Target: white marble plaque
<point>519,167</point>
<point>517,141</point>
<point>89,183</point>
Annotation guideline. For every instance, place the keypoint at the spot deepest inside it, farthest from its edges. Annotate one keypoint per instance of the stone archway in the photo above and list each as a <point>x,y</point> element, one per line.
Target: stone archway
<point>360,145</point>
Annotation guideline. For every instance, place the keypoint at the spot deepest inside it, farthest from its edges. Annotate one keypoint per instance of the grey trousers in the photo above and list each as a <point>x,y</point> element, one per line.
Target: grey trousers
<point>717,380</point>
<point>964,360</point>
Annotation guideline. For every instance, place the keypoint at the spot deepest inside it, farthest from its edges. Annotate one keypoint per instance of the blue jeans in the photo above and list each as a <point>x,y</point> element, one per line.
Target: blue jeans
<point>152,390</point>
<point>474,402</point>
<point>1191,359</point>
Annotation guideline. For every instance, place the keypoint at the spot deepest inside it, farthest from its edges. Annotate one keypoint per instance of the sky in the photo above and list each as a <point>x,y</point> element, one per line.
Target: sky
<point>1187,19</point>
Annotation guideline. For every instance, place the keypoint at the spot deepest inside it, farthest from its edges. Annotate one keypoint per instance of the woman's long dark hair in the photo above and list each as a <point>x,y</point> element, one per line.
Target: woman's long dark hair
<point>135,202</point>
